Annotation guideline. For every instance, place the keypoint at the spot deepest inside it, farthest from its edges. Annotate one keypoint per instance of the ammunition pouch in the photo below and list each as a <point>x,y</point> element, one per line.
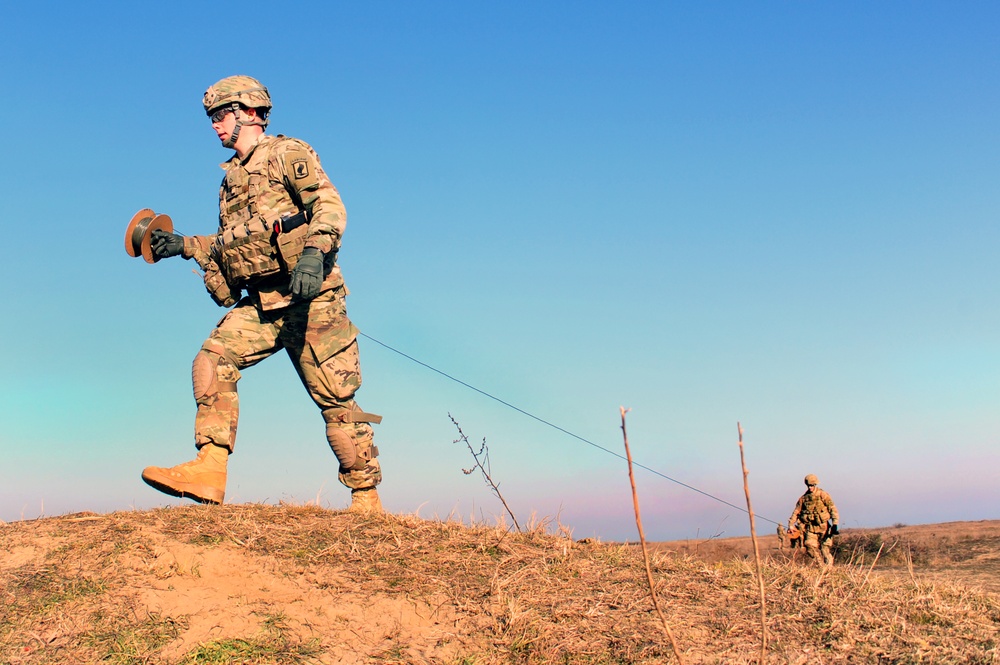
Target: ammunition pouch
<point>218,287</point>
<point>816,517</point>
<point>259,249</point>
<point>215,281</point>
<point>245,252</point>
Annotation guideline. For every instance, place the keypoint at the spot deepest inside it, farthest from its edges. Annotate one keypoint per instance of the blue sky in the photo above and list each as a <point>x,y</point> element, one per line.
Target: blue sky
<point>782,214</point>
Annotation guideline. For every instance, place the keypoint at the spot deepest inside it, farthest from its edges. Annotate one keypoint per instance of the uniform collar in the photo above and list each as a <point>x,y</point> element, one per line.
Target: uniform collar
<point>235,158</point>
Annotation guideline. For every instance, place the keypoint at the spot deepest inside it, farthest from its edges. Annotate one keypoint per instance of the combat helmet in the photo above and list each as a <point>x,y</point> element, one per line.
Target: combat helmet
<point>812,480</point>
<point>234,92</point>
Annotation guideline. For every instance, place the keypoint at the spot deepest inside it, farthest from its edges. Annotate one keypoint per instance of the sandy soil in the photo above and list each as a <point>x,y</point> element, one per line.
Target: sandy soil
<point>221,591</point>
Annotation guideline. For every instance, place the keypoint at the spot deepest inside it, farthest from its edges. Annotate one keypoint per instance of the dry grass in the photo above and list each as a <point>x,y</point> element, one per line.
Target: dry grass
<point>966,552</point>
<point>79,590</point>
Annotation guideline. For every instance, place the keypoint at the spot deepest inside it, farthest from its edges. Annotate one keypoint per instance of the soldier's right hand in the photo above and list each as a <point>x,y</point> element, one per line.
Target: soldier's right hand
<point>165,244</point>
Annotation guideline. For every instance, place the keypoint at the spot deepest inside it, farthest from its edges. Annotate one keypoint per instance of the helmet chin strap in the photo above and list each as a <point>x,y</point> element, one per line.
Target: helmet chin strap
<point>235,134</point>
<point>231,141</point>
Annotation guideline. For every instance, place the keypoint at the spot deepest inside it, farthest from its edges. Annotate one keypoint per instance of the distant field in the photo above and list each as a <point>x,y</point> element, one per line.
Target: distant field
<point>965,552</point>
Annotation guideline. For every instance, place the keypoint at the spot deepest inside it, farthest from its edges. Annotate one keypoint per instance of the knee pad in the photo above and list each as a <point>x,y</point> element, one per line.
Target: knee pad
<point>353,448</point>
<point>343,446</point>
<point>211,373</point>
<point>352,442</point>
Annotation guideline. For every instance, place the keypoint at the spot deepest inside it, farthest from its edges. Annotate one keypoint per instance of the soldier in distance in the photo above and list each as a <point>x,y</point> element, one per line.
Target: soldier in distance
<point>817,517</point>
<point>273,260</point>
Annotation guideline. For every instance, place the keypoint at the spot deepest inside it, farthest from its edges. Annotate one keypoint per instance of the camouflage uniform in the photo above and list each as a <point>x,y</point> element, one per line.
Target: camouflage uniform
<point>814,511</point>
<point>280,177</point>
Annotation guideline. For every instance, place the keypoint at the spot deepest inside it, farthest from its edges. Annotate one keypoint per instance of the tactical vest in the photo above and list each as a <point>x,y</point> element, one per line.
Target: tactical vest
<point>814,510</point>
<point>252,199</point>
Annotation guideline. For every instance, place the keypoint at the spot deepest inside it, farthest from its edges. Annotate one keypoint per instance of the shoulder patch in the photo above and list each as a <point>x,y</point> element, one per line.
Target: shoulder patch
<point>300,168</point>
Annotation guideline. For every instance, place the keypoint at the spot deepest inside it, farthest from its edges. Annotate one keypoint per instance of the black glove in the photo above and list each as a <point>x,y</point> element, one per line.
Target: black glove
<point>834,530</point>
<point>307,277</point>
<point>165,244</point>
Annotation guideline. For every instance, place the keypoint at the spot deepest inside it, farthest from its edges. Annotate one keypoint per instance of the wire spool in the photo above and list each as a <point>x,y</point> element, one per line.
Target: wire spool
<point>139,233</point>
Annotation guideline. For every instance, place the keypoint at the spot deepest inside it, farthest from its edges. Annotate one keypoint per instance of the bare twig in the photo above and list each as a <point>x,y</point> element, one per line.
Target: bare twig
<point>872,567</point>
<point>756,551</point>
<point>482,459</point>
<point>642,539</point>
<point>909,565</point>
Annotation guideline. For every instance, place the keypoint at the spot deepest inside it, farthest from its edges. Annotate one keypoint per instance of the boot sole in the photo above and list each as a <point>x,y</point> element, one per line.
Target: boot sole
<point>200,493</point>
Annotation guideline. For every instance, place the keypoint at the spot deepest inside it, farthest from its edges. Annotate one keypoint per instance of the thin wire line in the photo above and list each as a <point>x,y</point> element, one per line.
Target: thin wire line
<point>557,427</point>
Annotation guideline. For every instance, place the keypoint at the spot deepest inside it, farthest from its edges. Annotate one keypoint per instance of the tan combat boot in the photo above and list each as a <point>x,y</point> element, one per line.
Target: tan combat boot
<point>202,479</point>
<point>365,501</point>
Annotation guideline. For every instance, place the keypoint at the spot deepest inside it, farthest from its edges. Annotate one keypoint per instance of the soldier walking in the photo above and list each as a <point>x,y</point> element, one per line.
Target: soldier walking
<point>274,257</point>
<point>818,517</point>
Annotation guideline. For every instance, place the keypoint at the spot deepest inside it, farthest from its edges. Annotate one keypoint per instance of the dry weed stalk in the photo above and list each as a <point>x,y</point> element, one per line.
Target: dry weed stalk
<point>909,565</point>
<point>642,539</point>
<point>482,459</point>
<point>756,550</point>
<point>874,561</point>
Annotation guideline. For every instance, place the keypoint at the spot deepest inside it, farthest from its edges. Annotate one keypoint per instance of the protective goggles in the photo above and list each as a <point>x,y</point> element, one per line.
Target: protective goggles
<point>218,114</point>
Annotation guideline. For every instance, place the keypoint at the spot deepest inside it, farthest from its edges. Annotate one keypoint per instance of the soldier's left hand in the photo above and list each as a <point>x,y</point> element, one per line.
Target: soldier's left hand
<point>165,244</point>
<point>307,276</point>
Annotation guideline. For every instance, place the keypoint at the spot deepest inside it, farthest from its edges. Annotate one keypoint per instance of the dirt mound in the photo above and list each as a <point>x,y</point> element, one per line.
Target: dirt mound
<point>287,584</point>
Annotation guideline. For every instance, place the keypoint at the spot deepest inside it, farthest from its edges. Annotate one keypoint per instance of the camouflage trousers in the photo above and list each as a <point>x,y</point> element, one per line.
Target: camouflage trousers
<point>819,546</point>
<point>321,342</point>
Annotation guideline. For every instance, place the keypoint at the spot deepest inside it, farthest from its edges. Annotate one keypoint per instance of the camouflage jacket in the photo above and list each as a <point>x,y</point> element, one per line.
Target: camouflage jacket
<point>813,510</point>
<point>279,177</point>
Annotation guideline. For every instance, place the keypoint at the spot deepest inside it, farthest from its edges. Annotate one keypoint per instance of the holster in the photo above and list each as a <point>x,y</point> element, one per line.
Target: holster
<point>290,237</point>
